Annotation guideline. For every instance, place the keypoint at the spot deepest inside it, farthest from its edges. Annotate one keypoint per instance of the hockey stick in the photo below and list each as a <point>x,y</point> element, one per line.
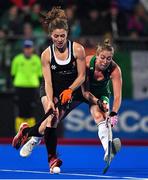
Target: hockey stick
<point>59,105</point>
<point>109,147</point>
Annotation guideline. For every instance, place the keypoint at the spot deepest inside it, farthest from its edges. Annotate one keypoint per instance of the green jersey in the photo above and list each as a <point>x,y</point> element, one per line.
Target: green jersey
<point>26,71</point>
<point>101,87</point>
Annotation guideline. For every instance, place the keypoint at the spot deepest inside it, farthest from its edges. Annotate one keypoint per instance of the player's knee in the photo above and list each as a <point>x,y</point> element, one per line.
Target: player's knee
<point>98,117</point>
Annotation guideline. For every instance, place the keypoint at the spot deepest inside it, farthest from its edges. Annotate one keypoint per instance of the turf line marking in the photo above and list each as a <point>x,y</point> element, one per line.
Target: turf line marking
<point>103,176</point>
<point>71,174</point>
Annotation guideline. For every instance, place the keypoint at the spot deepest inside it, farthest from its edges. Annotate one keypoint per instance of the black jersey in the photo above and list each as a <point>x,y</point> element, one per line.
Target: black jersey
<point>63,73</point>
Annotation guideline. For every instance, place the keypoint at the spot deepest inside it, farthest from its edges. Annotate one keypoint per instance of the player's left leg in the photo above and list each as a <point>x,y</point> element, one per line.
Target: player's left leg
<point>50,135</point>
<point>100,119</point>
<point>54,161</point>
<point>103,135</point>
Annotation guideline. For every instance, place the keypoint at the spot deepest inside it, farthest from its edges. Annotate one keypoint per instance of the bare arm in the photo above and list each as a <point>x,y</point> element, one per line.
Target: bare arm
<point>45,59</point>
<point>117,88</point>
<point>80,58</point>
<point>85,86</point>
<point>86,92</point>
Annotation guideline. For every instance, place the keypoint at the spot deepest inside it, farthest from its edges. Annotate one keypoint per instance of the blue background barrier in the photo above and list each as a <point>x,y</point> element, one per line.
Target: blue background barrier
<point>133,121</point>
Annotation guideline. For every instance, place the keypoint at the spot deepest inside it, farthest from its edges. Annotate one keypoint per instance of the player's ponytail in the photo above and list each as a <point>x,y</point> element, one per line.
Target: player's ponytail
<point>44,21</point>
<point>54,19</point>
<point>106,45</point>
<point>107,42</point>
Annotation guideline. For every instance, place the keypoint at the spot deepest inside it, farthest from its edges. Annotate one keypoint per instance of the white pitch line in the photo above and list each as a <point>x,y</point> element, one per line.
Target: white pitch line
<point>71,174</point>
<point>23,171</point>
<point>89,175</point>
<point>136,178</point>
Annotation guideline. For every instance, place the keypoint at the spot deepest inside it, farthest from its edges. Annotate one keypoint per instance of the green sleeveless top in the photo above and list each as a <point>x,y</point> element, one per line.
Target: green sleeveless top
<point>100,88</point>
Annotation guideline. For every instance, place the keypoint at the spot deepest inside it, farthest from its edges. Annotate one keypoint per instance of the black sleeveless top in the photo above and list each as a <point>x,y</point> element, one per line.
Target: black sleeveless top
<point>63,73</point>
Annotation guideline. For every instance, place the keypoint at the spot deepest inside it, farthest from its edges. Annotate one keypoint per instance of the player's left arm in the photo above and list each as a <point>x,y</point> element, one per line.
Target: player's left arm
<point>81,66</point>
<point>116,78</point>
<point>66,95</point>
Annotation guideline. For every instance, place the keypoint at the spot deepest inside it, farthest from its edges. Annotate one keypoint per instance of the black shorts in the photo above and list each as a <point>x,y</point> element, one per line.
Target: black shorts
<point>77,95</point>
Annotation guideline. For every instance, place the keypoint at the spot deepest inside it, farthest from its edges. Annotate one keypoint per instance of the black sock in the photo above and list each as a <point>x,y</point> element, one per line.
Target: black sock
<point>33,131</point>
<point>50,138</point>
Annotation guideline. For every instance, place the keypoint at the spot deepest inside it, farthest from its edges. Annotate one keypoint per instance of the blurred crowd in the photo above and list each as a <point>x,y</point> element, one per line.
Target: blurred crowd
<point>20,20</point>
<point>86,18</point>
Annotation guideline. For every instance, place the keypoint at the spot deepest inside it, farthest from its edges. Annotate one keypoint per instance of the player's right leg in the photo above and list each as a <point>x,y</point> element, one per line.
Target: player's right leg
<point>27,149</point>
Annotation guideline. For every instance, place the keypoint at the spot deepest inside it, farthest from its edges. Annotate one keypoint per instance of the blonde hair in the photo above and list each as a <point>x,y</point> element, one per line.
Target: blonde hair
<point>54,19</point>
<point>106,45</point>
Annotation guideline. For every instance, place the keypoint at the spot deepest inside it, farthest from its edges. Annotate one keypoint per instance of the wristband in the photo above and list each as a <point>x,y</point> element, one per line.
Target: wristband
<point>113,113</point>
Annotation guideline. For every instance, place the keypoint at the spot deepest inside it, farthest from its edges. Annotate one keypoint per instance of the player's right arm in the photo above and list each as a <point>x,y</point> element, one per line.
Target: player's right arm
<point>85,87</point>
<point>45,60</point>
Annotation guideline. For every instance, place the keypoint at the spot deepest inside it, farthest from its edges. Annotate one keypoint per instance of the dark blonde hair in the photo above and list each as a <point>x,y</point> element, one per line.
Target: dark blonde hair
<point>54,19</point>
<point>106,45</point>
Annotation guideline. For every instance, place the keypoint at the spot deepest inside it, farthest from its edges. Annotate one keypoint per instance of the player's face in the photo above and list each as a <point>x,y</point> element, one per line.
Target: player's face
<point>59,38</point>
<point>103,59</point>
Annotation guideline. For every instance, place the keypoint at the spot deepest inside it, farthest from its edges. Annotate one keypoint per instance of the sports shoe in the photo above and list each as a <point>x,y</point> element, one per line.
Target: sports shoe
<point>27,149</point>
<point>20,139</point>
<point>54,162</point>
<point>116,146</point>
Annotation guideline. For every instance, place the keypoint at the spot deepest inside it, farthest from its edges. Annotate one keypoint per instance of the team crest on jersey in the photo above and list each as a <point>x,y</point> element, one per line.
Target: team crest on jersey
<point>53,67</point>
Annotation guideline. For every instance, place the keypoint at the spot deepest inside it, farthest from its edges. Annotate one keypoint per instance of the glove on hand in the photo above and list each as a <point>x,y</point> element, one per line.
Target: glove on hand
<point>113,117</point>
<point>66,96</point>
